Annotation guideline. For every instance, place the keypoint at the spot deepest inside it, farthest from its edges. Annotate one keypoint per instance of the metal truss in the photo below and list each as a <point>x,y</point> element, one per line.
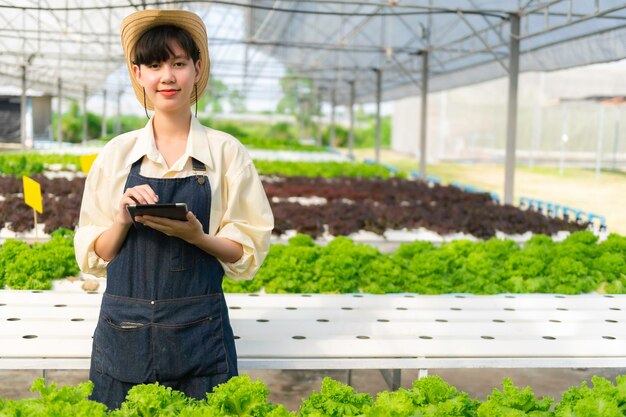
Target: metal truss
<point>329,42</point>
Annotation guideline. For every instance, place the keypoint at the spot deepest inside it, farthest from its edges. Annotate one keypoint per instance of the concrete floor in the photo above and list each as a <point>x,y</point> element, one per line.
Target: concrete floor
<point>291,387</point>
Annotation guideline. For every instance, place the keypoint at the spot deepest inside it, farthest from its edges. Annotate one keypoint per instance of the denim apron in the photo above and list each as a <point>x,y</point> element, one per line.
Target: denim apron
<point>163,315</point>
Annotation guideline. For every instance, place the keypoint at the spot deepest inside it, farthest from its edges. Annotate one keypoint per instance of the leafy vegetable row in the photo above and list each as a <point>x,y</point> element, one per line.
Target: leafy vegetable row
<point>324,169</point>
<point>240,396</point>
<point>277,144</point>
<point>19,164</point>
<point>34,163</point>
<point>343,205</point>
<point>577,265</point>
<point>34,267</point>
<point>348,205</point>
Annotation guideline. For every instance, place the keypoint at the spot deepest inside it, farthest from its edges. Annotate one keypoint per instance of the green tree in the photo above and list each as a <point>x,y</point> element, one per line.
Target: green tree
<point>288,104</point>
<point>237,101</point>
<point>72,124</point>
<point>364,133</point>
<point>212,99</point>
<point>298,99</point>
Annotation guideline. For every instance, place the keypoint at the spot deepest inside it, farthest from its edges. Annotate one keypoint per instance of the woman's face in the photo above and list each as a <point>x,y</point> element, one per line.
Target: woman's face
<point>169,84</point>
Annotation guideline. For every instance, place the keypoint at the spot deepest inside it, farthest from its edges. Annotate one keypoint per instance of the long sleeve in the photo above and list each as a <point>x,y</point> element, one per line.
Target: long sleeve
<point>248,220</point>
<point>94,219</point>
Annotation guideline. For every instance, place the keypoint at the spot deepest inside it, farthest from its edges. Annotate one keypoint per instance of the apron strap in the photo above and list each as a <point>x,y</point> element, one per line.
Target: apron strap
<point>136,168</point>
<point>199,169</point>
<point>197,165</point>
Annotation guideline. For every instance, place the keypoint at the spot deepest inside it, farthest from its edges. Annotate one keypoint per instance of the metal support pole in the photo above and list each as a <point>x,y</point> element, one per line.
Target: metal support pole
<point>351,133</point>
<point>424,114</point>
<point>23,110</point>
<point>84,114</point>
<point>393,378</point>
<point>60,113</point>
<point>332,118</point>
<point>103,131</point>
<point>379,82</point>
<point>511,125</point>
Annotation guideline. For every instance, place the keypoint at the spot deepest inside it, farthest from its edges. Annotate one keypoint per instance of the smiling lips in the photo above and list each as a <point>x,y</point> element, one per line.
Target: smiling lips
<point>168,92</point>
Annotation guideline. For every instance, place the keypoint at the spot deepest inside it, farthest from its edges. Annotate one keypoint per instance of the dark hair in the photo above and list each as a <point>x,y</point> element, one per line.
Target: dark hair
<point>154,45</point>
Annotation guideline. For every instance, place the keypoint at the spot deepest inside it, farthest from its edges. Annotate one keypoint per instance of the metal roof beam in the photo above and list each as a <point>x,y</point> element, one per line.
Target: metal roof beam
<point>10,24</point>
<point>416,36</point>
<point>312,45</point>
<point>407,72</point>
<point>480,38</point>
<point>597,14</point>
<point>425,44</point>
<point>266,19</point>
<point>344,38</point>
<point>467,37</point>
<point>413,9</point>
<point>498,34</point>
<point>58,55</point>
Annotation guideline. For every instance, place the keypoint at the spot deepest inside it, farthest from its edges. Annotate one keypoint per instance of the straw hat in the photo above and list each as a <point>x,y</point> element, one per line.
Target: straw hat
<point>136,24</point>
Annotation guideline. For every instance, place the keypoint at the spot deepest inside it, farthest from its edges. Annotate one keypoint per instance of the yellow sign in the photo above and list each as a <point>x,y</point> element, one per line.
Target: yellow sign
<point>32,194</point>
<point>86,161</point>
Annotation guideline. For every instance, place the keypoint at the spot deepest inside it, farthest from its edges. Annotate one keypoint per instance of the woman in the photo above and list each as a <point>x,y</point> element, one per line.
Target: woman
<point>163,315</point>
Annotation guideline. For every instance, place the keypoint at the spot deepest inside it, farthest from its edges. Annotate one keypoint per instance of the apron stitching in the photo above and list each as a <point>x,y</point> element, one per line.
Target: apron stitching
<point>224,340</point>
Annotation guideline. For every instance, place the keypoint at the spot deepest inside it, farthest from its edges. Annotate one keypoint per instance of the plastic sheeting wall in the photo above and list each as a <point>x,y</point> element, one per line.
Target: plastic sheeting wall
<point>468,123</point>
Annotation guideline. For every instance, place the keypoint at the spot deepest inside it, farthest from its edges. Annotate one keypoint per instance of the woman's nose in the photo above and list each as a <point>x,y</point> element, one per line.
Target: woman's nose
<point>167,75</point>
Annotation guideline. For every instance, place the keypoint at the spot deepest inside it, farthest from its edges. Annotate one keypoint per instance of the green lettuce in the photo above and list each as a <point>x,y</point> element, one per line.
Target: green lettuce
<point>514,402</point>
<point>335,400</point>
<point>147,400</point>
<point>602,400</point>
<point>66,401</point>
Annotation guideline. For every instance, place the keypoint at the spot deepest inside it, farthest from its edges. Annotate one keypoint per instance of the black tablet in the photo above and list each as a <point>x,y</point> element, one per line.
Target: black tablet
<point>176,211</point>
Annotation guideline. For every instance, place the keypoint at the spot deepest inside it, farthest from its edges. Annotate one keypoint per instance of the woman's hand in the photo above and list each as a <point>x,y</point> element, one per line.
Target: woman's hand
<point>141,194</point>
<point>108,244</point>
<point>190,231</point>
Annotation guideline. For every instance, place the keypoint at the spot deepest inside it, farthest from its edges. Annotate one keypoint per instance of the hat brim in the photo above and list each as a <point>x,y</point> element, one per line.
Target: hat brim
<point>136,24</point>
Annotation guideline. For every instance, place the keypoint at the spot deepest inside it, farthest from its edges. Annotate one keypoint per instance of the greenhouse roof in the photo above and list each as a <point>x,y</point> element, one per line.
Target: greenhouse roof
<point>329,42</point>
<point>467,40</point>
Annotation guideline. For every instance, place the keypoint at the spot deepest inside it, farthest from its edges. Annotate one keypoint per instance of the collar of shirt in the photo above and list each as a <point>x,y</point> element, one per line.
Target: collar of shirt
<point>197,146</point>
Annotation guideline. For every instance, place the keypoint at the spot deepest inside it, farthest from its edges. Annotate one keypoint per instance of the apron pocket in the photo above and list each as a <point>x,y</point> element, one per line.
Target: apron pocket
<point>190,349</point>
<point>122,350</point>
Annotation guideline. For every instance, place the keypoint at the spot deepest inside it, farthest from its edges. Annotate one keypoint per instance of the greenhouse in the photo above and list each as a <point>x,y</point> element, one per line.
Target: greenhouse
<point>312,208</point>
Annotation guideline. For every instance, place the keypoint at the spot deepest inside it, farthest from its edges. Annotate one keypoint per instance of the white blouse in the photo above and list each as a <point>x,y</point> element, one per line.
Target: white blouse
<point>240,210</point>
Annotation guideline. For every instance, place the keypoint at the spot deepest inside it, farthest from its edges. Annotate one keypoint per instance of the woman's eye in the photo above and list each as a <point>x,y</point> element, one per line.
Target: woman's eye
<point>154,65</point>
<point>180,64</point>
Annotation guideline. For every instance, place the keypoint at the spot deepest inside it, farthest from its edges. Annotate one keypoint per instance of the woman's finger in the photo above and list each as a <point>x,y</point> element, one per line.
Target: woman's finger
<point>136,197</point>
<point>146,197</point>
<point>141,195</point>
<point>150,191</point>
